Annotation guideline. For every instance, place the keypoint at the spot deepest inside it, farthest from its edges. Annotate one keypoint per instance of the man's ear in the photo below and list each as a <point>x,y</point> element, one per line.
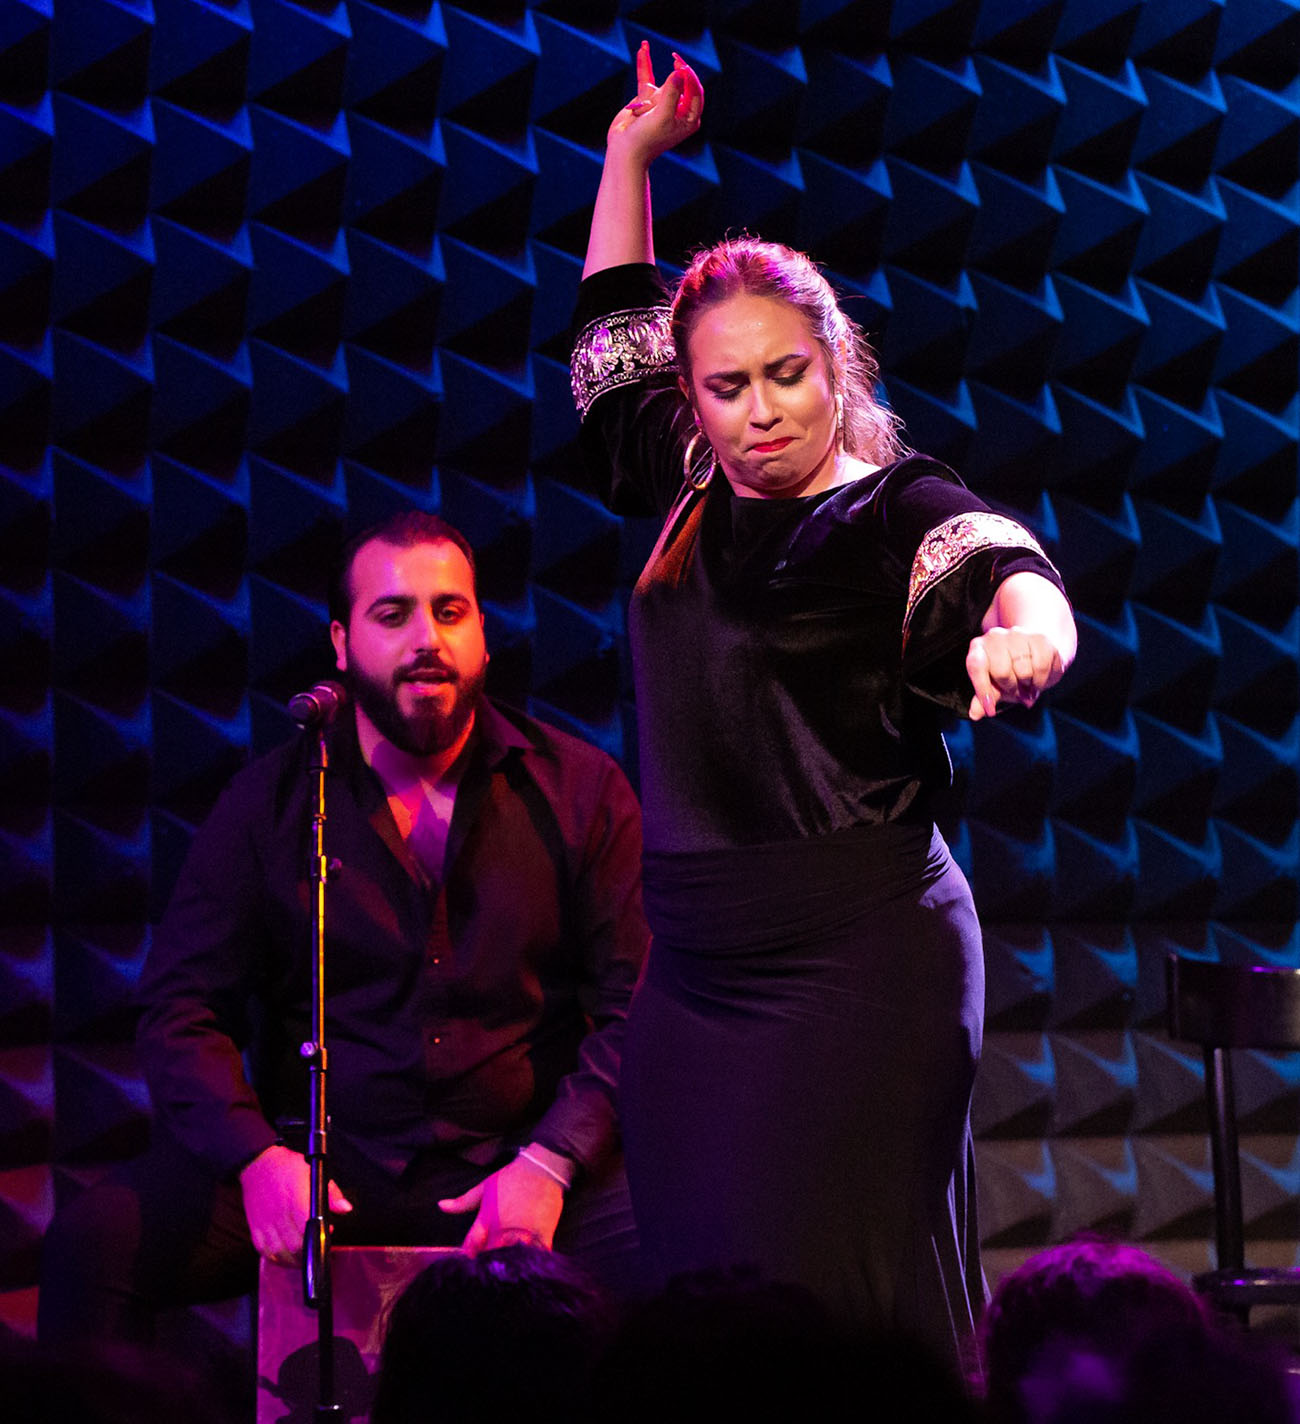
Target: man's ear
<point>339,637</point>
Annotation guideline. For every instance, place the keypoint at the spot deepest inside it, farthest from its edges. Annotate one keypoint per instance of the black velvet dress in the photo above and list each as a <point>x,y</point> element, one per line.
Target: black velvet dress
<point>800,1054</point>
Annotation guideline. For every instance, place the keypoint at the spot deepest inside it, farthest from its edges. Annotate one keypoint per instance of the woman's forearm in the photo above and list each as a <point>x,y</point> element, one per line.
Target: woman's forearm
<point>1027,600</point>
<point>621,218</point>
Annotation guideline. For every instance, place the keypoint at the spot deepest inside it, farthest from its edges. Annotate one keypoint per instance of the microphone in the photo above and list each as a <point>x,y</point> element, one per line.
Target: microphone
<point>319,705</point>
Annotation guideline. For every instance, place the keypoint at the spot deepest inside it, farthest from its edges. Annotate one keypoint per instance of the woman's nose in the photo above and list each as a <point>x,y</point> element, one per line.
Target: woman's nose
<point>761,410</point>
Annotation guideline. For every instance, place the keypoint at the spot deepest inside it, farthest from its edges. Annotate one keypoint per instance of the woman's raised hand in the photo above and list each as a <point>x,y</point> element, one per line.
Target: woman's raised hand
<point>659,118</point>
<point>661,115</point>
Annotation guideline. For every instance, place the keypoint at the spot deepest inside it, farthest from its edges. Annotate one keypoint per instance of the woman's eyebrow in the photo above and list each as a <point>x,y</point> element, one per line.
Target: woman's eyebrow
<point>767,369</point>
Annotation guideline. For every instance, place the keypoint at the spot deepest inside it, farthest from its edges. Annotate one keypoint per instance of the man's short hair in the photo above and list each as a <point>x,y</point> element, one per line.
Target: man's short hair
<point>405,530</point>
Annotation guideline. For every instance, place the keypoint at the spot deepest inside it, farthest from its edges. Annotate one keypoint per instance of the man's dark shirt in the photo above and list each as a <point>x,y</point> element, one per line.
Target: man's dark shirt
<point>472,1016</point>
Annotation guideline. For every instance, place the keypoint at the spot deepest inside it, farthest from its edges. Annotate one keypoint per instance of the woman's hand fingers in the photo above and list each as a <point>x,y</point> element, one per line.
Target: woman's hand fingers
<point>691,103</point>
<point>661,116</point>
<point>985,701</point>
<point>645,73</point>
<point>1010,665</point>
<point>676,108</point>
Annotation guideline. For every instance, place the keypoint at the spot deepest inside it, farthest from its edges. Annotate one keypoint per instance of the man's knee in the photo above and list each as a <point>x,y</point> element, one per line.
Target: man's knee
<point>157,1232</point>
<point>88,1261</point>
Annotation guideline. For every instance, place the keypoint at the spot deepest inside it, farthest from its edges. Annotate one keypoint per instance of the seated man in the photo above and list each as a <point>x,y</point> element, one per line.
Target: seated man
<point>483,936</point>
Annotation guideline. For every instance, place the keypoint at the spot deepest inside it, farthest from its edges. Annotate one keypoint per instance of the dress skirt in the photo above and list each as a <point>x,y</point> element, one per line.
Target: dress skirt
<point>798,1070</point>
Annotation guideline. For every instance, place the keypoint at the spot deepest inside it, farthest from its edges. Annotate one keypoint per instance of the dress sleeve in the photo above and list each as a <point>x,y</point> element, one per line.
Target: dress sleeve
<point>956,552</point>
<point>635,421</point>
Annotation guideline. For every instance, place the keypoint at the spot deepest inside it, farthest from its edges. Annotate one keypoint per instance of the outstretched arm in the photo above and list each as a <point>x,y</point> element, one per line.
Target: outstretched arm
<point>1028,642</point>
<point>658,119</point>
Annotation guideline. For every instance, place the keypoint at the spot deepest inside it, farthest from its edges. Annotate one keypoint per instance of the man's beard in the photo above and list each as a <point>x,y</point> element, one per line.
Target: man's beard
<point>429,731</point>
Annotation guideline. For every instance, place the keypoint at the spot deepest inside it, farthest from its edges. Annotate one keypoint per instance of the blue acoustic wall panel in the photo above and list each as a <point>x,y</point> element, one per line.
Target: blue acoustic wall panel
<point>269,271</point>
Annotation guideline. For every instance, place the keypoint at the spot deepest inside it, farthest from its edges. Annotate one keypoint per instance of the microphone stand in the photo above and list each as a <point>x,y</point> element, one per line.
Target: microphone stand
<point>317,1287</point>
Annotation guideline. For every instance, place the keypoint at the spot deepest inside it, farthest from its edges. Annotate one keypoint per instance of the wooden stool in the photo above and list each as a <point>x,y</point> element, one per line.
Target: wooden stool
<point>367,1279</point>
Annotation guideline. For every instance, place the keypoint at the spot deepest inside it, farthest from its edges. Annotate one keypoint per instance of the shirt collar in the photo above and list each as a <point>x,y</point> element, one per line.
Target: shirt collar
<point>494,739</point>
<point>496,736</point>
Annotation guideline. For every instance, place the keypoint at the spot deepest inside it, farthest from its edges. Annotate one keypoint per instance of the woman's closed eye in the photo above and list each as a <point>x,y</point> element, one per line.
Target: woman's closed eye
<point>786,378</point>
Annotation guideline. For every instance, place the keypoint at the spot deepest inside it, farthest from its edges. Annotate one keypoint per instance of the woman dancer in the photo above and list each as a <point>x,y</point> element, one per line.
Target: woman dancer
<point>798,1070</point>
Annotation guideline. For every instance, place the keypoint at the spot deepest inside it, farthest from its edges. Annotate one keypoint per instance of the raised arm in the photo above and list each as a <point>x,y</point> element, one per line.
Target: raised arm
<point>658,119</point>
<point>1028,642</point>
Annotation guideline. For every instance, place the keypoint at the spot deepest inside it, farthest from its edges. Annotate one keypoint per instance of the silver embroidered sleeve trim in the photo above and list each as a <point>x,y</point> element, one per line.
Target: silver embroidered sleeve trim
<point>618,349</point>
<point>948,545</point>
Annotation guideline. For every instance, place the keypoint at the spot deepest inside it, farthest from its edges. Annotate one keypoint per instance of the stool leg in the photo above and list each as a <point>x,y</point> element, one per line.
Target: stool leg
<point>1228,1232</point>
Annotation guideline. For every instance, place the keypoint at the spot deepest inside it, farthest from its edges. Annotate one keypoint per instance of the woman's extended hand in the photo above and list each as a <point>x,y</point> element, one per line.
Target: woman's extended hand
<point>1010,665</point>
<point>661,115</point>
<point>1027,643</point>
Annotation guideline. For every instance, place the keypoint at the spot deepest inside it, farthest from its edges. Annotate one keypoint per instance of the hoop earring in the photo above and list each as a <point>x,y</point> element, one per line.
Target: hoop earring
<point>698,475</point>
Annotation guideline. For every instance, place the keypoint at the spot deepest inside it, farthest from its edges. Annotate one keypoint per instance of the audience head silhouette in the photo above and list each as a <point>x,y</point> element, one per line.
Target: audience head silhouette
<point>1098,1332</point>
<point>508,1333</point>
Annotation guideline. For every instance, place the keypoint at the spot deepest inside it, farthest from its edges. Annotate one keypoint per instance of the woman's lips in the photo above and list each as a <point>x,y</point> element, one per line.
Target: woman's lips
<point>767,447</point>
